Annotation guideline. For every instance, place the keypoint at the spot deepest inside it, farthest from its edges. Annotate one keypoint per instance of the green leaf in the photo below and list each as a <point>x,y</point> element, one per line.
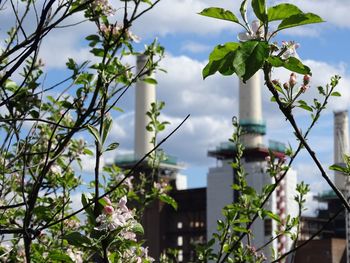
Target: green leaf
<point>240,229</point>
<point>321,90</point>
<point>107,126</point>
<point>220,51</point>
<point>88,152</point>
<point>249,58</point>
<point>112,146</point>
<point>243,9</point>
<point>297,66</point>
<point>11,85</point>
<point>210,69</point>
<point>339,168</point>
<point>168,200</point>
<point>292,64</point>
<point>98,52</point>
<point>219,13</point>
<point>60,256</point>
<point>93,38</point>
<point>88,210</point>
<point>282,11</point>
<point>306,107</point>
<point>77,239</point>
<point>150,81</point>
<point>226,68</point>
<point>299,20</point>
<point>249,191</point>
<point>269,188</point>
<point>35,114</point>
<point>117,109</point>
<point>226,248</point>
<point>95,133</point>
<point>137,228</point>
<point>272,216</point>
<point>335,94</point>
<point>259,7</point>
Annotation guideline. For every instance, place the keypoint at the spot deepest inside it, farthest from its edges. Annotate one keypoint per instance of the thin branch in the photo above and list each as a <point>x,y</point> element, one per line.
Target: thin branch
<point>311,238</point>
<point>287,113</point>
<point>121,181</point>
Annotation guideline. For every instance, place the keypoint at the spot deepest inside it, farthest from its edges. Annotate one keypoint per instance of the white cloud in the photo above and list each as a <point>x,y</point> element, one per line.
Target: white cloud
<point>180,16</point>
<point>332,11</point>
<point>213,102</point>
<point>195,47</point>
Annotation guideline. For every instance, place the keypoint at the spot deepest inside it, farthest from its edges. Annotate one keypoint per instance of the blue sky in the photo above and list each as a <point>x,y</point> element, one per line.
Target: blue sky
<point>188,39</point>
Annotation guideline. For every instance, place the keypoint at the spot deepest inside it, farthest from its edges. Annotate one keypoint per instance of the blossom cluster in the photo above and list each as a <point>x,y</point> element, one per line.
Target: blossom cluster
<point>137,255</point>
<point>256,32</point>
<point>293,81</point>
<point>161,187</point>
<point>259,257</point>
<point>103,6</point>
<point>289,49</point>
<point>116,217</point>
<point>114,31</point>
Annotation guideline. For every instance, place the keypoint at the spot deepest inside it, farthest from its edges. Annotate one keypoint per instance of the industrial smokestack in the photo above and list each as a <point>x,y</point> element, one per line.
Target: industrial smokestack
<point>250,112</point>
<point>145,95</point>
<point>341,144</point>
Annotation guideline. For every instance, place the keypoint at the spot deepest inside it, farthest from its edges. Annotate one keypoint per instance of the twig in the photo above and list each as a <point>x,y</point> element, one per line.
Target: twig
<point>311,238</point>
<point>121,181</point>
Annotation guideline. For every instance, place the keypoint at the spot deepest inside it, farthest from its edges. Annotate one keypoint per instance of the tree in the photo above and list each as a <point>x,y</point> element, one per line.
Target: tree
<point>42,135</point>
<point>256,51</point>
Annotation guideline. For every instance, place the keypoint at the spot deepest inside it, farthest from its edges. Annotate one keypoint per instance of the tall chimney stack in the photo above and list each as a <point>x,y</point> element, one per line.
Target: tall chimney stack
<point>145,95</point>
<point>250,112</point>
<point>341,144</point>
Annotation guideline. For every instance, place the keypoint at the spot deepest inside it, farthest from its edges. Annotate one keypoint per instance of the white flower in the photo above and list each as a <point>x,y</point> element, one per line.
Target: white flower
<point>122,204</point>
<point>256,32</point>
<point>127,182</point>
<point>129,235</point>
<point>133,37</point>
<point>76,256</point>
<point>117,217</point>
<point>103,6</point>
<point>290,47</point>
<point>161,187</point>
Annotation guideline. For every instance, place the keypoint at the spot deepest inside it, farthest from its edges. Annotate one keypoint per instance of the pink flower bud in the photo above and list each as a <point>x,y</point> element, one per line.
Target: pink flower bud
<point>108,210</point>
<point>304,88</point>
<point>306,79</point>
<point>283,160</point>
<point>107,200</point>
<point>276,82</point>
<point>268,159</point>
<point>286,86</point>
<point>292,79</point>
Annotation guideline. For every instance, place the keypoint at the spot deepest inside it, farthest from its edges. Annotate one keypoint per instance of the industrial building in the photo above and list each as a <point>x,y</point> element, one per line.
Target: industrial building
<point>199,209</point>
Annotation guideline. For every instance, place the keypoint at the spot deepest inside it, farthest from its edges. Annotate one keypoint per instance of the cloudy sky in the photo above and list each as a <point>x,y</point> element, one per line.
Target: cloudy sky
<point>188,39</point>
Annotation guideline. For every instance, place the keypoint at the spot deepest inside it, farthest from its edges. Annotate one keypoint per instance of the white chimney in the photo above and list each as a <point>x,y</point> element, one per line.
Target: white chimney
<point>341,144</point>
<point>250,112</point>
<point>145,95</point>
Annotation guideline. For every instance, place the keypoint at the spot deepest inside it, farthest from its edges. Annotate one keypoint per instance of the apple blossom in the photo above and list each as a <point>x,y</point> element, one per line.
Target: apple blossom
<point>306,79</point>
<point>256,32</point>
<point>292,79</point>
<point>290,49</point>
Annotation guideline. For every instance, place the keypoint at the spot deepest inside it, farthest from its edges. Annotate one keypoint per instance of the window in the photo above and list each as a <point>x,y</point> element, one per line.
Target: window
<point>268,227</point>
<point>180,241</point>
<point>180,256</point>
<point>179,225</point>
